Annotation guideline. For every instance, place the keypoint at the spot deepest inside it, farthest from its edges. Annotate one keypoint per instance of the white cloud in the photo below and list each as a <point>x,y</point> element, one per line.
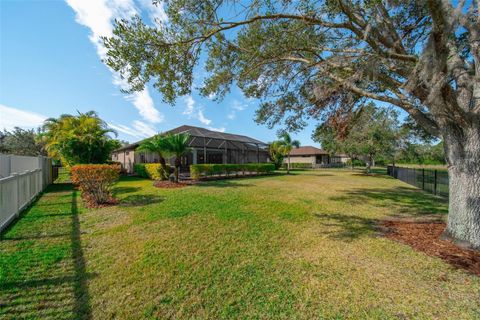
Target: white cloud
<point>195,112</point>
<point>138,129</point>
<point>221,129</point>
<point>156,12</point>
<point>190,108</point>
<point>126,129</point>
<point>13,117</point>
<point>202,119</point>
<point>236,107</point>
<point>144,128</point>
<point>98,16</point>
<point>144,104</point>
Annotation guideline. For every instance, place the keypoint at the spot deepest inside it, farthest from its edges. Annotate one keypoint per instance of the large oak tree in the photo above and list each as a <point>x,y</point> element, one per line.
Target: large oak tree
<point>321,59</point>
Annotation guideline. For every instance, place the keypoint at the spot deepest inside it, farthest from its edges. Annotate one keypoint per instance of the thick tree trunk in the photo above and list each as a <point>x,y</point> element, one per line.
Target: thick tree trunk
<point>462,149</point>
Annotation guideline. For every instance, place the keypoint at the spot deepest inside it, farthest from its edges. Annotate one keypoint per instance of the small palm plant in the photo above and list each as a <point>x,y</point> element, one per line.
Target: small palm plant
<point>177,145</point>
<point>276,149</point>
<point>288,144</point>
<point>158,144</point>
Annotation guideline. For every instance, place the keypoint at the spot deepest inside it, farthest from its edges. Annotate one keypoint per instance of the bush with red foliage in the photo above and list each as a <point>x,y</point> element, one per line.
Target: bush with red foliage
<point>96,181</point>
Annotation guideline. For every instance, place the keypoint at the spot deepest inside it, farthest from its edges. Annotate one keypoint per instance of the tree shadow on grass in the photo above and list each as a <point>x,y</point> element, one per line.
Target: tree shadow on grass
<point>402,200</point>
<point>123,190</point>
<point>136,200</point>
<point>347,227</point>
<point>225,183</point>
<point>45,274</point>
<point>306,173</point>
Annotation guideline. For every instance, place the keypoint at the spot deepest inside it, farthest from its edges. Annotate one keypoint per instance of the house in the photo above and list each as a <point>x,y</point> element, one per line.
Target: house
<point>207,147</point>
<point>311,156</point>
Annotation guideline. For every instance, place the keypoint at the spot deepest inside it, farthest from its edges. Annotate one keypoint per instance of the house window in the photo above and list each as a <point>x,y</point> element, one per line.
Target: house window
<point>127,153</point>
<point>142,158</point>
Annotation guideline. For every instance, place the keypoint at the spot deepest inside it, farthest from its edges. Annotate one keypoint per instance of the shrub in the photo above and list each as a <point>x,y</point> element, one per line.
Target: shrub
<point>356,163</point>
<point>151,170</point>
<point>296,165</point>
<point>197,171</point>
<point>95,182</point>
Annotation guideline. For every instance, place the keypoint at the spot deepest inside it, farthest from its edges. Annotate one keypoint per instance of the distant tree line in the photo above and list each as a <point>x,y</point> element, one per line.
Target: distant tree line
<point>376,136</point>
<point>22,142</point>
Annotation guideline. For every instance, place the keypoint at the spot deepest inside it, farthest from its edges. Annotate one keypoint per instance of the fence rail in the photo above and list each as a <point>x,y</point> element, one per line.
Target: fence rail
<point>430,180</point>
<point>22,178</point>
<point>17,192</point>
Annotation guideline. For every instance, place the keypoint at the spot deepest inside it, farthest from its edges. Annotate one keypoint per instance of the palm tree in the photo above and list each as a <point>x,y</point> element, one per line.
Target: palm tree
<point>177,145</point>
<point>288,145</point>
<point>82,138</point>
<point>157,144</point>
<point>276,149</point>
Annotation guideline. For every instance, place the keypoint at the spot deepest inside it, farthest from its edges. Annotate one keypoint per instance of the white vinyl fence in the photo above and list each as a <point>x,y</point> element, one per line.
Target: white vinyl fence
<point>21,180</point>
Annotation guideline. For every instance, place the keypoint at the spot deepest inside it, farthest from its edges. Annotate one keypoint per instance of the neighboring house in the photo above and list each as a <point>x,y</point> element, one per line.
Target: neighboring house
<point>315,157</point>
<point>207,147</point>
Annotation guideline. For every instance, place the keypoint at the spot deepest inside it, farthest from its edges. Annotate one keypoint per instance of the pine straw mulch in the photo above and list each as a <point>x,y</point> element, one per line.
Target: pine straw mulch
<point>425,236</point>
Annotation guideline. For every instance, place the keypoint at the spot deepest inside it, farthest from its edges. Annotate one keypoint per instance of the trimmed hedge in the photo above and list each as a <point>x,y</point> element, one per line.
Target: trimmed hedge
<point>198,171</point>
<point>95,181</point>
<point>151,170</point>
<point>296,165</point>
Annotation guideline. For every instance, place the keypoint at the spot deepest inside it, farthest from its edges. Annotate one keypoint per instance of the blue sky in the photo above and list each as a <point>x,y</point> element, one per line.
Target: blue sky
<point>50,64</point>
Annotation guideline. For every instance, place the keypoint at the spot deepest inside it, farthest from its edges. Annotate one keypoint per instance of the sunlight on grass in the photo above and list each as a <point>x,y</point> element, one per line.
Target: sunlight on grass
<point>298,246</point>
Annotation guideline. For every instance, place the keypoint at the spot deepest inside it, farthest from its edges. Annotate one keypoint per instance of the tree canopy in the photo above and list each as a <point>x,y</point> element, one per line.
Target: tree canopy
<point>305,58</point>
<point>373,133</point>
<point>78,139</point>
<point>21,142</point>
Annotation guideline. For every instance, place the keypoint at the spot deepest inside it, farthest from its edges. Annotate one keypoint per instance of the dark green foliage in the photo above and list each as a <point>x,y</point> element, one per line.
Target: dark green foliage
<point>421,153</point>
<point>21,142</point>
<point>198,171</point>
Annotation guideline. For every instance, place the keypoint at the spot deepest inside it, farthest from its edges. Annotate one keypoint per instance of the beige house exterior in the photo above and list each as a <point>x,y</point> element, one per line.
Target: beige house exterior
<point>316,158</point>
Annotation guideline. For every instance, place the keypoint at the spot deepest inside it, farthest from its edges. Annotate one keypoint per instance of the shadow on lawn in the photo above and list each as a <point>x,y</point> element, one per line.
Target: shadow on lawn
<point>135,200</point>
<point>45,277</point>
<point>225,183</point>
<point>347,227</point>
<point>122,190</point>
<point>406,201</point>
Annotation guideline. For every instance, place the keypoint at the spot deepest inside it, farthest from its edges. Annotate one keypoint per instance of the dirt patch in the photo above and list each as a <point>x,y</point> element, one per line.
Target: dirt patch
<point>425,236</point>
<point>172,185</point>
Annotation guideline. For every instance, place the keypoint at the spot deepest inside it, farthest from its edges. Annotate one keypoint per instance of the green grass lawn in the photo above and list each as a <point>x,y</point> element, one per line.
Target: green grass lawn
<point>301,246</point>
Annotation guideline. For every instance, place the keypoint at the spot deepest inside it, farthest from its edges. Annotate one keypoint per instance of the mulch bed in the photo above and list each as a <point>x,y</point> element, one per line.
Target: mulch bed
<point>172,185</point>
<point>425,236</point>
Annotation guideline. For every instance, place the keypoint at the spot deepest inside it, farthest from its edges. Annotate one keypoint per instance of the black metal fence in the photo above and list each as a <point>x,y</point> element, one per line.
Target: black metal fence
<point>430,180</point>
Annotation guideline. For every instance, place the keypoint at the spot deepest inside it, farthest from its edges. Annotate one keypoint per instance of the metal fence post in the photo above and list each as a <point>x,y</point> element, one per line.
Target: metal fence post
<point>435,182</point>
<point>423,179</point>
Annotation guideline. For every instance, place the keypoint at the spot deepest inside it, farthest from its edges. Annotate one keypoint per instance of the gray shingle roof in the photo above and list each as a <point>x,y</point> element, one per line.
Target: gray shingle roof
<point>197,132</point>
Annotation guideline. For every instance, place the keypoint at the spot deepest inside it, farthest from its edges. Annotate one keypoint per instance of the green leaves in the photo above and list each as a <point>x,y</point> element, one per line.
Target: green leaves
<point>373,132</point>
<point>80,139</point>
